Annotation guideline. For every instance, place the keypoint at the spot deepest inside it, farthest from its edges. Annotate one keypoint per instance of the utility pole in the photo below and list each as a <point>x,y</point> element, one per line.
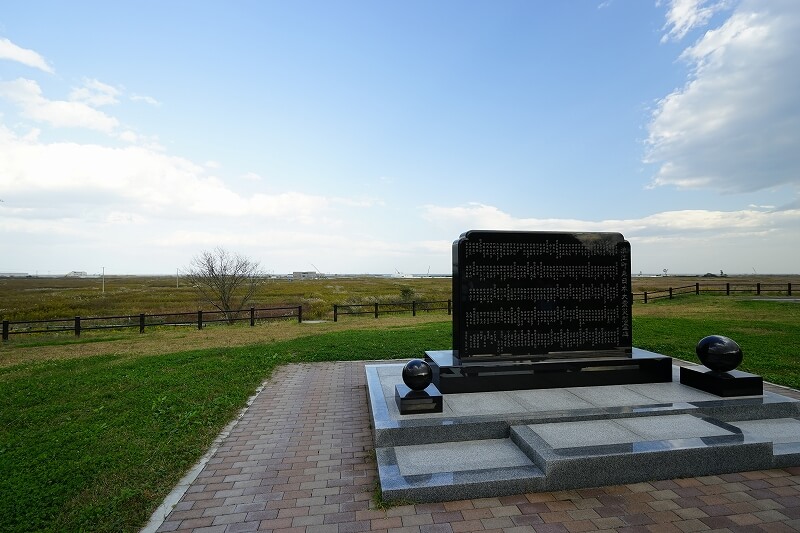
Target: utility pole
<point>104,279</point>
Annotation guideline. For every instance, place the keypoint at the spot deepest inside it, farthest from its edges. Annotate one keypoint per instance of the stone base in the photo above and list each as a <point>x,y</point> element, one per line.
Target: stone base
<point>453,376</point>
<point>725,384</point>
<point>499,443</point>
<point>417,401</point>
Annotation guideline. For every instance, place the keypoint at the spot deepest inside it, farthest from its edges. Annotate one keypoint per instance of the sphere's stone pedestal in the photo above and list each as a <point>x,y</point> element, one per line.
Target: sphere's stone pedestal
<point>411,401</point>
<point>725,384</point>
<point>721,356</point>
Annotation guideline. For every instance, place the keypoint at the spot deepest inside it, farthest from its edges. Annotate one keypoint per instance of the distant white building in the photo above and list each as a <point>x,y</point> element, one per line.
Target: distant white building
<point>13,274</point>
<point>305,275</point>
<point>76,274</point>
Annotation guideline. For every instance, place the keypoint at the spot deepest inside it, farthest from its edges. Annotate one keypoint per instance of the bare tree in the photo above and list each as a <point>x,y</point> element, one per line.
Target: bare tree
<point>225,280</point>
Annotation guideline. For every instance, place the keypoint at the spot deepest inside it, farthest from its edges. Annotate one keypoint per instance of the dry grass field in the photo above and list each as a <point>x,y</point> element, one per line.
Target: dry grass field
<point>50,298</point>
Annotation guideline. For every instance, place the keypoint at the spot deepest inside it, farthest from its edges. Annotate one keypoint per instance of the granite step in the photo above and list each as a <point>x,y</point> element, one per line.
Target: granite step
<point>577,454</point>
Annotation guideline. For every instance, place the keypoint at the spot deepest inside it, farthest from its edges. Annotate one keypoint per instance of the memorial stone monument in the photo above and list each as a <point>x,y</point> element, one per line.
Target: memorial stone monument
<point>538,310</point>
<point>541,310</point>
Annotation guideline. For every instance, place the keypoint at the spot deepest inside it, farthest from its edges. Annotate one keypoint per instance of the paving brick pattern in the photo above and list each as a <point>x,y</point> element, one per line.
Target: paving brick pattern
<point>301,460</point>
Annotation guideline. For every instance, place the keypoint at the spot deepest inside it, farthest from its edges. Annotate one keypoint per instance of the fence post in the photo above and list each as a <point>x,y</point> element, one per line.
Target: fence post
<point>77,326</point>
<point>413,308</point>
<point>645,296</point>
<point>758,289</point>
<point>727,289</point>
<point>449,307</point>
<point>697,289</point>
<point>335,313</point>
<point>141,323</point>
<point>5,330</point>
<point>789,289</point>
<point>376,309</point>
<point>252,316</point>
<point>670,293</point>
<point>199,319</point>
<point>299,314</point>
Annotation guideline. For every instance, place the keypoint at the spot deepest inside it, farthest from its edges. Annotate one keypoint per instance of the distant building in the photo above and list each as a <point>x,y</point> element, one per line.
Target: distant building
<point>76,274</point>
<point>14,275</point>
<point>305,275</point>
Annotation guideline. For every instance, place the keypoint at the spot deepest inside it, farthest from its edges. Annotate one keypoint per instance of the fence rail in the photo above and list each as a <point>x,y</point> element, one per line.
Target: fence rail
<point>715,288</point>
<point>142,320</point>
<point>376,309</point>
<point>201,318</point>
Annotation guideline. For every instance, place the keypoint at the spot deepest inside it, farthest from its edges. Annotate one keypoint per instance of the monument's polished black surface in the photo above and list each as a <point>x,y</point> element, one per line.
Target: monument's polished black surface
<point>518,293</point>
<point>538,310</point>
<point>453,376</point>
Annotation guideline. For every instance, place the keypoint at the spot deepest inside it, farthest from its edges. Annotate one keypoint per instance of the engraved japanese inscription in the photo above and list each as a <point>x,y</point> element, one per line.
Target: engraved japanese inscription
<point>534,293</point>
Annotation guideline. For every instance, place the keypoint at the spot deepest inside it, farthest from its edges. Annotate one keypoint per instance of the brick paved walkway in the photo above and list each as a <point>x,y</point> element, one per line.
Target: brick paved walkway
<point>301,460</point>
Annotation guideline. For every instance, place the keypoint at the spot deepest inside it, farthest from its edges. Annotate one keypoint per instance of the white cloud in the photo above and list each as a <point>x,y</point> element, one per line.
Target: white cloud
<point>251,176</point>
<point>13,52</point>
<point>128,136</point>
<point>680,222</point>
<point>735,125</point>
<point>140,180</point>
<point>685,15</point>
<point>27,94</point>
<point>95,93</point>
<point>688,241</point>
<point>146,99</point>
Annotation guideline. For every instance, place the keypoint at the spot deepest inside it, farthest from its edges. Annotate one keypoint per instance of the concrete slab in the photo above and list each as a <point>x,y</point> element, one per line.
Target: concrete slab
<point>484,403</point>
<point>459,457</point>
<point>543,400</point>
<point>671,392</point>
<point>671,427</point>
<point>779,430</point>
<point>584,433</point>
<point>611,396</point>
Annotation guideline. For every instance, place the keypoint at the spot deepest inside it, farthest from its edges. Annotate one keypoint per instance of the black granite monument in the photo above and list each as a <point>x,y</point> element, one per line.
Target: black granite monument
<point>541,310</point>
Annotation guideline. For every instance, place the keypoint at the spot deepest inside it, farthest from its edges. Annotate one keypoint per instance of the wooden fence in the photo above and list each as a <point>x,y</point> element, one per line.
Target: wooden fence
<point>376,309</point>
<point>201,318</point>
<point>142,320</point>
<point>716,288</point>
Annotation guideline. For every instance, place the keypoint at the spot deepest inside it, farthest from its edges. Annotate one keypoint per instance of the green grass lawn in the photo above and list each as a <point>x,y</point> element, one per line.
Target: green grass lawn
<point>768,332</point>
<point>96,442</point>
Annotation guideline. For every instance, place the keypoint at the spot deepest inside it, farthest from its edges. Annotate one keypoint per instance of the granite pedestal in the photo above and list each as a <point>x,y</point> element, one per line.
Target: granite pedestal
<point>726,384</point>
<point>411,401</point>
<point>508,442</point>
<point>453,376</point>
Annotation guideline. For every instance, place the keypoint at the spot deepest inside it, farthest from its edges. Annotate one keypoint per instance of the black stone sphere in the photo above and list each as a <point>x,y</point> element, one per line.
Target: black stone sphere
<point>417,374</point>
<point>718,353</point>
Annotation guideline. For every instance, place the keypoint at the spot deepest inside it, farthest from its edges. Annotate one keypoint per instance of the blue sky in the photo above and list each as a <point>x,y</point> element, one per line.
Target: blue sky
<point>364,137</point>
